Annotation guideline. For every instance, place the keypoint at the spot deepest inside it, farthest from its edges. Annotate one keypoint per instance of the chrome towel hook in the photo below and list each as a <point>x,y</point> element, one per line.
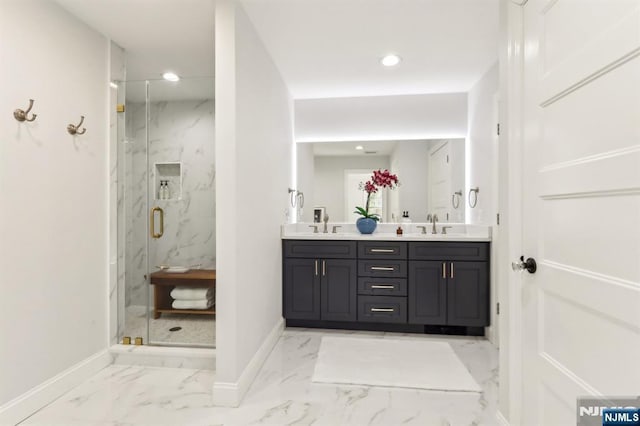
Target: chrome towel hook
<point>75,130</point>
<point>455,199</point>
<point>474,191</point>
<point>21,115</point>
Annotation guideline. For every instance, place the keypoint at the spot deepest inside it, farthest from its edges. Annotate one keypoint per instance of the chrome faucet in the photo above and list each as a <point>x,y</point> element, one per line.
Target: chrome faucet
<point>434,219</point>
<point>424,229</point>
<point>325,220</point>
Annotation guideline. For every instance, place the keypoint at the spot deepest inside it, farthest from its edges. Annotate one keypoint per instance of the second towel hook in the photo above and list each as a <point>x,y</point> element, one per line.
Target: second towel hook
<point>21,115</point>
<point>75,130</point>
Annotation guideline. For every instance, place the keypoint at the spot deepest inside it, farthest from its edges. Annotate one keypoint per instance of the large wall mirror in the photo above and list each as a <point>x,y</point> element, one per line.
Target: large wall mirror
<point>431,174</point>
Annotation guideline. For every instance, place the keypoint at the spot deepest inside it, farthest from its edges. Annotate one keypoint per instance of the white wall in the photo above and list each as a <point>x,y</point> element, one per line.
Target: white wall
<point>305,179</point>
<point>434,116</point>
<point>53,220</point>
<point>254,158</point>
<point>483,161</point>
<point>329,185</point>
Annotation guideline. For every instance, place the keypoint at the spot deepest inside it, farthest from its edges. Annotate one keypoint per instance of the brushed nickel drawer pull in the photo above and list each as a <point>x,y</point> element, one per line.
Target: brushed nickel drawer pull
<point>383,268</point>
<point>383,286</point>
<point>451,270</point>
<point>375,250</point>
<point>444,270</point>
<point>324,268</point>
<point>382,309</point>
<point>316,268</point>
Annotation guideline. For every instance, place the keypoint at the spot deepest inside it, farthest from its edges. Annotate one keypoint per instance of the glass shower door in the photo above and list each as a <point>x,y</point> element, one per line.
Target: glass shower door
<point>181,200</point>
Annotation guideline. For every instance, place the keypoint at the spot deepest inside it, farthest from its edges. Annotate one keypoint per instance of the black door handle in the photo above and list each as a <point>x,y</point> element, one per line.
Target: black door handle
<point>529,265</point>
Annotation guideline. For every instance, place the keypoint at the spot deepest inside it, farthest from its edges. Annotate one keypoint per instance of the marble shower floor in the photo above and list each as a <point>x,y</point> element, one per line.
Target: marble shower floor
<point>281,394</point>
<point>195,329</point>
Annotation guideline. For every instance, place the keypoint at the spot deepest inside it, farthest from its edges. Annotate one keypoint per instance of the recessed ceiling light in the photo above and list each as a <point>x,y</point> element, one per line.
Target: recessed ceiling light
<point>170,76</point>
<point>359,147</point>
<point>390,60</point>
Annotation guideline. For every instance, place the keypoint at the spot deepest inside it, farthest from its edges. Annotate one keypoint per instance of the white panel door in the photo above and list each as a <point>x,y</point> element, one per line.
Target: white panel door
<point>581,205</point>
<point>440,182</point>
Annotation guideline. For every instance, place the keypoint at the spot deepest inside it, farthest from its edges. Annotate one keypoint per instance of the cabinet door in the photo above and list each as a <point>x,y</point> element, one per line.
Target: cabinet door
<point>339,287</point>
<point>302,289</point>
<point>427,292</point>
<point>468,294</point>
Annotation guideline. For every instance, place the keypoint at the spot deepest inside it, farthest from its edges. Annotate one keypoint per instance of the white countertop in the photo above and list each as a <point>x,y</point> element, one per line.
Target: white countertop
<point>387,232</point>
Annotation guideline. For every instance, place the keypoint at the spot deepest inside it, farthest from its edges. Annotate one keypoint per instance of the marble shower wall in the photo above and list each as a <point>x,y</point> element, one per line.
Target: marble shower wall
<point>179,131</point>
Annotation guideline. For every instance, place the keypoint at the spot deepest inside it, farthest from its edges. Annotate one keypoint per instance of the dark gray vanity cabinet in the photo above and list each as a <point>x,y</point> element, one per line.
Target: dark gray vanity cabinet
<point>393,285</point>
<point>320,280</point>
<point>449,284</point>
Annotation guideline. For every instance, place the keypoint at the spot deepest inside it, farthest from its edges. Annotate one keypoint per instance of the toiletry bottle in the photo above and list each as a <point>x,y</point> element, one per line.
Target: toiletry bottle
<point>161,191</point>
<point>399,231</point>
<point>167,191</point>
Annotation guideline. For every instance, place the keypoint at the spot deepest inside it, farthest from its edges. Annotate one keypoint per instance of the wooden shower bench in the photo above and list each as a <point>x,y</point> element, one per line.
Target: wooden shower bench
<point>164,282</point>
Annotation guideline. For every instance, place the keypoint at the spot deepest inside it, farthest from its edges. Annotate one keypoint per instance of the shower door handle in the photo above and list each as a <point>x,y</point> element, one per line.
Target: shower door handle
<point>153,222</point>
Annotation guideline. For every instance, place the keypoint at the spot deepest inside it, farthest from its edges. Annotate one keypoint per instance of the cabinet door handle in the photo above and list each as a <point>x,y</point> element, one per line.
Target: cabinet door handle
<point>444,269</point>
<point>324,268</point>
<point>382,268</point>
<point>376,250</point>
<point>382,309</point>
<point>383,286</point>
<point>316,268</point>
<point>451,270</point>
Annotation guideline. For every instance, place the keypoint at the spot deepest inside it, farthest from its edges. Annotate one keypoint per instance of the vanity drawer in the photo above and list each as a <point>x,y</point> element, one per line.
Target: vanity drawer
<point>382,286</point>
<point>382,309</point>
<point>448,251</point>
<point>382,268</point>
<point>320,249</point>
<point>382,250</point>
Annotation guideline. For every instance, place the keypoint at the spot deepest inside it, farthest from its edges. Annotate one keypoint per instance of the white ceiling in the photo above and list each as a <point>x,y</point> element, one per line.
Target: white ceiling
<point>323,48</point>
<point>331,48</point>
<point>158,35</point>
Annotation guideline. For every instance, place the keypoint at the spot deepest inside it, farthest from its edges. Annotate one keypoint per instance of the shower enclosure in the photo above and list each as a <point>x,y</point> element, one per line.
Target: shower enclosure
<point>166,211</point>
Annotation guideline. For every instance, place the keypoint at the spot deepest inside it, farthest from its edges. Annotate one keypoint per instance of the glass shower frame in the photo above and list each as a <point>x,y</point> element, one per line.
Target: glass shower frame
<point>127,146</point>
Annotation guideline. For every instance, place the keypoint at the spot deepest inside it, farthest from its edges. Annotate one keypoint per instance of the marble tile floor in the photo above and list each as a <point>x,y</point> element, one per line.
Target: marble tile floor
<point>195,329</point>
<point>282,393</point>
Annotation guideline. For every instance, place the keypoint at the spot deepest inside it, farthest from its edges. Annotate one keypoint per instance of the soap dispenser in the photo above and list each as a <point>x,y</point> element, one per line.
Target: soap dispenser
<point>167,191</point>
<point>161,191</point>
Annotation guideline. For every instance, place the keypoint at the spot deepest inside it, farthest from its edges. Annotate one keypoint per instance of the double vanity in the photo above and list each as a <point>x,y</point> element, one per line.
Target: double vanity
<point>414,282</point>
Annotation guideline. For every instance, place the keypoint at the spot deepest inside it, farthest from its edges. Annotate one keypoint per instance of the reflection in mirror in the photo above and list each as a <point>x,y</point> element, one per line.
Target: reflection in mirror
<point>431,173</point>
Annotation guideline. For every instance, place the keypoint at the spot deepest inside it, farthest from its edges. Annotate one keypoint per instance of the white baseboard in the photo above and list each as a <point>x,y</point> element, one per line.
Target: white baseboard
<point>230,394</point>
<point>33,400</point>
<point>501,419</point>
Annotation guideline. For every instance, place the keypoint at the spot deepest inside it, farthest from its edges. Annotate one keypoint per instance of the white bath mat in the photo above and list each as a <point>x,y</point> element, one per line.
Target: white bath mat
<point>392,362</point>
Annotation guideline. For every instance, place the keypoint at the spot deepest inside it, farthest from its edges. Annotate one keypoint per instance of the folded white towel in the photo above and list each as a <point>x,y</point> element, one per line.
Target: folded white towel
<point>190,293</point>
<point>192,304</point>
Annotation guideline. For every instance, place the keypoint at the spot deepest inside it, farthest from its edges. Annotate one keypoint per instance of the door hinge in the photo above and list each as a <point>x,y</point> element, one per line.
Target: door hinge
<point>497,218</point>
<point>120,108</point>
<point>498,308</point>
<point>498,129</point>
<point>447,159</point>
